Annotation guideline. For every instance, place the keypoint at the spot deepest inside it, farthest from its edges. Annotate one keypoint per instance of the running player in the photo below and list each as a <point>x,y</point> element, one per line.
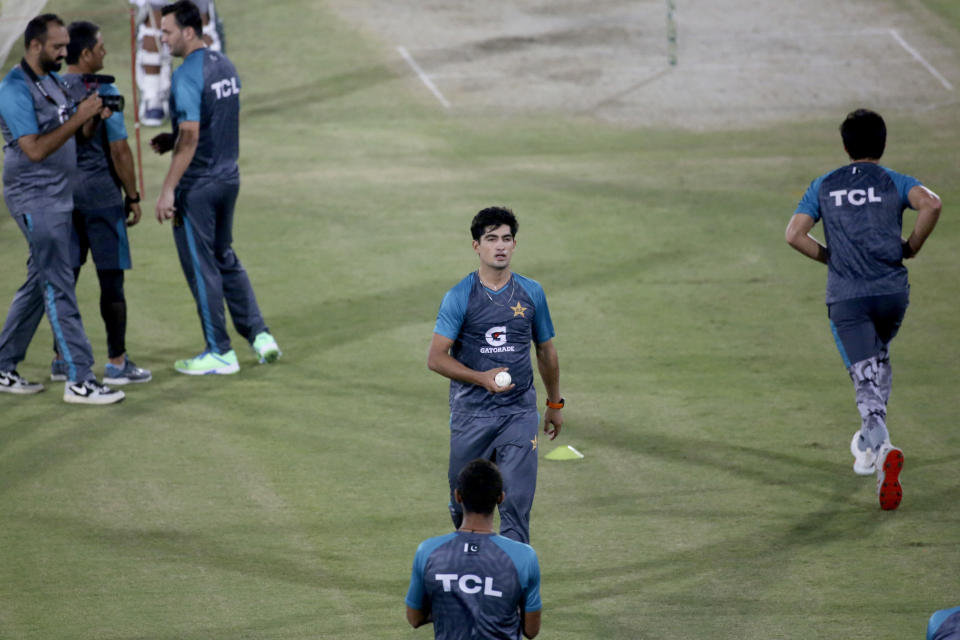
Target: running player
<point>485,325</point>
<point>861,205</point>
<point>473,583</point>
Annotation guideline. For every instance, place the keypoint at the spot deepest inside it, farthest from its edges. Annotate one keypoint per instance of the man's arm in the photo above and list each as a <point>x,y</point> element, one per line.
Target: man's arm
<point>531,623</point>
<point>798,236</point>
<point>122,158</point>
<point>417,618</point>
<point>928,206</point>
<point>183,150</point>
<point>38,146</point>
<point>440,361</point>
<point>548,363</point>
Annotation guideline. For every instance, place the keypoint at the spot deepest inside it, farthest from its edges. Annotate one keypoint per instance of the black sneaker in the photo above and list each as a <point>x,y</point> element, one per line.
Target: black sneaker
<point>11,382</point>
<point>90,392</point>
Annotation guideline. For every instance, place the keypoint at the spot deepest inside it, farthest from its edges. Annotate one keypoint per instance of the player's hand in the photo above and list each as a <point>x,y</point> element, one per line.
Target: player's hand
<point>490,384</point>
<point>552,421</point>
<point>89,107</point>
<point>105,113</point>
<point>133,213</point>
<point>162,142</point>
<point>165,207</point>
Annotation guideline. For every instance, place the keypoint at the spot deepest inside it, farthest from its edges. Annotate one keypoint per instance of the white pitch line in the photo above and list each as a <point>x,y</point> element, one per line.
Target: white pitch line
<point>424,78</point>
<point>919,58</point>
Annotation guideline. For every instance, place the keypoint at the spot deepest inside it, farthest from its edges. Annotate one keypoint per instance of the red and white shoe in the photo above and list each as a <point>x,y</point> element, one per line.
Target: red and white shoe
<point>889,466</point>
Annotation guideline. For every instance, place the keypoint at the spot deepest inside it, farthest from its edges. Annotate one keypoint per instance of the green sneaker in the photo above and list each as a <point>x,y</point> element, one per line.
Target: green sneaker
<point>266,347</point>
<point>208,363</point>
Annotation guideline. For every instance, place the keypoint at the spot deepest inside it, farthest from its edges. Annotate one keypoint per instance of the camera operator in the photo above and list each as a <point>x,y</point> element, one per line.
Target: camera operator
<point>38,122</point>
<point>101,212</point>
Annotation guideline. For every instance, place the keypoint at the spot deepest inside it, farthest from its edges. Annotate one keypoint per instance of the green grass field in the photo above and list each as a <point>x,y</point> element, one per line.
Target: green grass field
<point>716,498</point>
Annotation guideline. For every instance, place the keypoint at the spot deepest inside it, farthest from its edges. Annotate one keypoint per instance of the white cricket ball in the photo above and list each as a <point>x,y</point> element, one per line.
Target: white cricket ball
<point>503,379</point>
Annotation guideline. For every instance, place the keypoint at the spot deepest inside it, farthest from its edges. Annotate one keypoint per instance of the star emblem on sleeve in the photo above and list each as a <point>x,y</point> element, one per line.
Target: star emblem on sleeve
<point>518,310</point>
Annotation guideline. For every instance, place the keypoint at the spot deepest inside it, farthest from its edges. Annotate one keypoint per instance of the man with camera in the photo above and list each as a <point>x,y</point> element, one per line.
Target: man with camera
<point>101,212</point>
<point>38,121</point>
<point>200,192</point>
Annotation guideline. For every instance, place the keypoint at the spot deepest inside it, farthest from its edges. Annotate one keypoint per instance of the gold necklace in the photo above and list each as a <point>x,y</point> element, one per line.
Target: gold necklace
<point>484,287</point>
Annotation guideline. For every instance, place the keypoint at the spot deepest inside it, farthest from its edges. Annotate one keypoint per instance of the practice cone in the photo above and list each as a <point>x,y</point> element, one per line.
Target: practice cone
<point>564,453</point>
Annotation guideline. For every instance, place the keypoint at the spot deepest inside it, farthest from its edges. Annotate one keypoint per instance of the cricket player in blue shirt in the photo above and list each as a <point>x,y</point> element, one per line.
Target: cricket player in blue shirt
<point>861,206</point>
<point>38,121</point>
<point>485,325</point>
<point>473,583</point>
<point>101,211</point>
<point>200,193</point>
<point>944,625</point>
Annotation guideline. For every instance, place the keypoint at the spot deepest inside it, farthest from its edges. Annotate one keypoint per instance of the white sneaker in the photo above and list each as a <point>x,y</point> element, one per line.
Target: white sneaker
<point>13,382</point>
<point>889,466</point>
<point>90,392</point>
<point>864,462</point>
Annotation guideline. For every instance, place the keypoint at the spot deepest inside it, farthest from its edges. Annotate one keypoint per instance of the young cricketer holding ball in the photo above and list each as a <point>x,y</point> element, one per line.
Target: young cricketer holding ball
<point>484,327</point>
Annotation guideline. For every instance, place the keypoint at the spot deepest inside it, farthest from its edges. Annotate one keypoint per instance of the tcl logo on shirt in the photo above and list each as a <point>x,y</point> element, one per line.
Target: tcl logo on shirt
<point>225,88</point>
<point>856,197</point>
<point>468,584</point>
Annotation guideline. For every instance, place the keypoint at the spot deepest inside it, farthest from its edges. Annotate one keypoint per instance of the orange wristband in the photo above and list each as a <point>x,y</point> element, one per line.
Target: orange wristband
<point>555,405</point>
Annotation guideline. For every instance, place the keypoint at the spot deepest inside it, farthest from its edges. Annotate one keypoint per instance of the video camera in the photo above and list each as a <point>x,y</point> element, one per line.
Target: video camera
<point>93,81</point>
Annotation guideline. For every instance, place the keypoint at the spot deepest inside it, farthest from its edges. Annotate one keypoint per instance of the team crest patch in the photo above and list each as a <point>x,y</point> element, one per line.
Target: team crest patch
<point>518,310</point>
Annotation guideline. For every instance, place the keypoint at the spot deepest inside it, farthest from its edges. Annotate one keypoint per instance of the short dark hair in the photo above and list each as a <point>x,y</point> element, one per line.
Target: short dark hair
<point>37,28</point>
<point>493,217</point>
<point>83,35</point>
<point>186,14</point>
<point>864,134</point>
<point>480,485</point>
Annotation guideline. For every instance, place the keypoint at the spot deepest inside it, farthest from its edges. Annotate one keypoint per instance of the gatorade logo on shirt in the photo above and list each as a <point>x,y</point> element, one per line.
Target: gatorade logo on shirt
<point>496,337</point>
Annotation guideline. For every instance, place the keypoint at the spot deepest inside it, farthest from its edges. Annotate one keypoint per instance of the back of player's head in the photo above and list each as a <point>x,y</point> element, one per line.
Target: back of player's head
<point>37,28</point>
<point>480,485</point>
<point>83,35</point>
<point>493,217</point>
<point>864,134</point>
<point>186,14</point>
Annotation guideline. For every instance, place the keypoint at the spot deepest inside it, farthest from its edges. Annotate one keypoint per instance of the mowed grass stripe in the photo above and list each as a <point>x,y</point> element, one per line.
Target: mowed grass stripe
<point>715,497</point>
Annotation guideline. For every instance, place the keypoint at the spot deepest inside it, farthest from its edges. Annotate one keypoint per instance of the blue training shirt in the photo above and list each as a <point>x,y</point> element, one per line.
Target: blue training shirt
<point>494,329</point>
<point>944,625</point>
<point>206,89</point>
<point>861,206</point>
<point>29,186</point>
<point>476,585</point>
<point>95,186</point>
